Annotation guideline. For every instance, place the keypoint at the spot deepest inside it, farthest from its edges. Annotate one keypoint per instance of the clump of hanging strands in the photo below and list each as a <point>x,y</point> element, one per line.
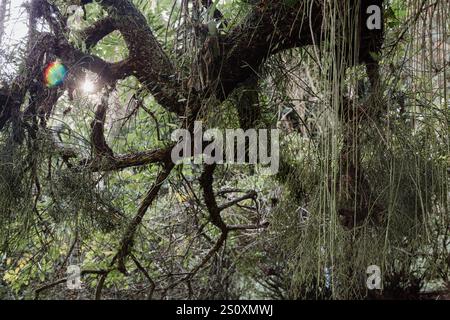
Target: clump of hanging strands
<point>403,156</point>
<point>40,194</point>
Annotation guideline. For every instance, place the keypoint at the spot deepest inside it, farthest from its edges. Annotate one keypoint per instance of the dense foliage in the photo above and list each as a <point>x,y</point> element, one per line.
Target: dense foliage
<point>85,171</point>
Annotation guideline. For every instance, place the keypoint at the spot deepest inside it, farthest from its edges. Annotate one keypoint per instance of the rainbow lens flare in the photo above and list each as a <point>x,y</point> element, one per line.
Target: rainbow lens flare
<point>54,74</point>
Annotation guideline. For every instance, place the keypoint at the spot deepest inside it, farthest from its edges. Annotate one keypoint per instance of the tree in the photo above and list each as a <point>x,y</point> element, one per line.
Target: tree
<point>202,58</point>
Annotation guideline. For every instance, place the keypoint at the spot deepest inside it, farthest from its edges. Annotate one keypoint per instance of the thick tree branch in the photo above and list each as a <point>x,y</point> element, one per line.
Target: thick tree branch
<point>98,141</point>
<point>250,195</point>
<point>96,32</point>
<point>108,72</point>
<point>123,161</point>
<point>271,27</point>
<point>127,239</point>
<point>206,181</point>
<point>149,62</point>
